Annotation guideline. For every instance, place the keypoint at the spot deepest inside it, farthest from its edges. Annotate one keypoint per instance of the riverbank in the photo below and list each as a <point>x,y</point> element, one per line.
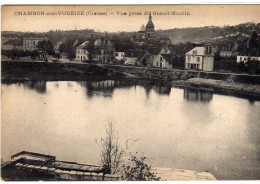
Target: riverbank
<point>241,85</point>
<point>227,87</point>
<point>24,71</point>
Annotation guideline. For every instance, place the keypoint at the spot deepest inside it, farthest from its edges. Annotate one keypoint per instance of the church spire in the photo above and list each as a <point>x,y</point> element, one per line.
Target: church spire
<point>150,22</point>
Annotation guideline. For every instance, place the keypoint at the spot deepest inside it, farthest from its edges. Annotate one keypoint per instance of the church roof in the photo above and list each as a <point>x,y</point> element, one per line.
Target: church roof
<point>150,23</point>
<point>142,29</point>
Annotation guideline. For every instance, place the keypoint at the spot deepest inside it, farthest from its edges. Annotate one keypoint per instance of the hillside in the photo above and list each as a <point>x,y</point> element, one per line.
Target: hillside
<point>210,33</point>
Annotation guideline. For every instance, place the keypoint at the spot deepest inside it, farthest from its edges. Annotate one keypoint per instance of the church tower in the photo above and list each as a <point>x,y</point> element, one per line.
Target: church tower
<point>149,30</point>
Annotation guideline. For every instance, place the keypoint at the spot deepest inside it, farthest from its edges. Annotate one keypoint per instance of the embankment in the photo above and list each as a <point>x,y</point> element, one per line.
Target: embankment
<point>244,85</point>
<point>13,71</point>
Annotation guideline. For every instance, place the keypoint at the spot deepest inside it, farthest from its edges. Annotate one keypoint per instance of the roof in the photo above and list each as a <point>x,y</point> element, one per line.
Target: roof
<point>14,42</point>
<point>150,22</point>
<point>142,55</point>
<point>154,51</point>
<point>33,38</point>
<point>32,156</point>
<point>167,57</point>
<point>142,29</point>
<point>133,54</point>
<point>200,51</point>
<point>83,45</point>
<point>76,166</point>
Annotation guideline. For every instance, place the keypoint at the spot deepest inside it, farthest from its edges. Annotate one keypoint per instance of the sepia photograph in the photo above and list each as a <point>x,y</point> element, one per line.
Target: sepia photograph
<point>130,92</point>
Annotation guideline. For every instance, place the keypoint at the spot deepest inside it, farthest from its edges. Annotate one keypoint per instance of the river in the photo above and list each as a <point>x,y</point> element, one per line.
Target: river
<point>178,128</point>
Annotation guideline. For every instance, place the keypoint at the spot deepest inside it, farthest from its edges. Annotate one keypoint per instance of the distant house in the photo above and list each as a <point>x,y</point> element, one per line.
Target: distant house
<point>131,57</point>
<point>119,55</point>
<point>82,52</point>
<point>163,61</point>
<point>14,44</point>
<point>119,52</point>
<point>246,58</point>
<point>106,49</point>
<point>30,44</point>
<point>200,58</point>
<point>228,49</point>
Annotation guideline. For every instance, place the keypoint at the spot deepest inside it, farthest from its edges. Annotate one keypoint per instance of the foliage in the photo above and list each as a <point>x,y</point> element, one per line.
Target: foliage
<point>138,170</point>
<point>92,50</point>
<point>110,151</point>
<point>46,47</point>
<point>13,54</point>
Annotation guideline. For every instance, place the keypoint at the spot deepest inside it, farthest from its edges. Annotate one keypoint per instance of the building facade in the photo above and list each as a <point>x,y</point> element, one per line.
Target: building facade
<point>245,58</point>
<point>30,44</point>
<point>82,52</point>
<point>162,61</point>
<point>200,58</point>
<point>119,56</point>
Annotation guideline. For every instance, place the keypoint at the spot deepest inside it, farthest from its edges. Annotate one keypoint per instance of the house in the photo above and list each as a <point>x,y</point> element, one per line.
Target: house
<point>13,44</point>
<point>246,58</point>
<point>200,58</point>
<point>82,52</point>
<point>106,50</point>
<point>30,44</point>
<point>131,57</point>
<point>120,51</point>
<point>163,61</point>
<point>228,49</point>
<point>119,55</point>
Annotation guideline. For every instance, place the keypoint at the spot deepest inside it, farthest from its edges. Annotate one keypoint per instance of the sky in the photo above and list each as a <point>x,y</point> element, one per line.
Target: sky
<point>114,19</point>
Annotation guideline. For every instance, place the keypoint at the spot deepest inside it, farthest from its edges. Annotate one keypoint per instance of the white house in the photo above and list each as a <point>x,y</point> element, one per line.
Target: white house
<point>119,56</point>
<point>200,58</point>
<point>130,57</point>
<point>163,61</point>
<point>82,52</point>
<point>244,58</point>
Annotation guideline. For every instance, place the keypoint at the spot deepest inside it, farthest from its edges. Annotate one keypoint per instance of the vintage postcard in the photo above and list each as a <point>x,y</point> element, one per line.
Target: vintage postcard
<point>130,92</point>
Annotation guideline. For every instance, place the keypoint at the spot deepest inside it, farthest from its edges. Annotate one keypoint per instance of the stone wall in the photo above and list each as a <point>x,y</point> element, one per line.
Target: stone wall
<point>169,75</point>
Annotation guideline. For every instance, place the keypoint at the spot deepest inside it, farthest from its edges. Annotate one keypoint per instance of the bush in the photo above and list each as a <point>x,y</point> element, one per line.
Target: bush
<point>138,170</point>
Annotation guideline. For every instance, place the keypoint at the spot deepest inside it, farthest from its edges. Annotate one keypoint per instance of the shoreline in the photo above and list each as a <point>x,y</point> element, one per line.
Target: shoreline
<point>246,86</point>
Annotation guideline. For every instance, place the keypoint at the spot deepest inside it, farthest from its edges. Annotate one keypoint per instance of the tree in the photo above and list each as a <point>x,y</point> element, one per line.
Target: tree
<point>62,48</point>
<point>112,158</point>
<point>110,151</point>
<point>138,170</point>
<point>92,50</point>
<point>46,47</point>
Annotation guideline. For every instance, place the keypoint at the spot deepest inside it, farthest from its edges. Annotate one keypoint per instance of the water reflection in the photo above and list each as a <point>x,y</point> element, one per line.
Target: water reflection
<point>214,137</point>
<point>38,86</point>
<point>107,87</point>
<point>192,94</point>
<point>162,90</point>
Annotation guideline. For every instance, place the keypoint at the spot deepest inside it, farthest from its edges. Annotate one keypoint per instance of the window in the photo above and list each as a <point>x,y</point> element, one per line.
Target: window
<point>194,52</point>
<point>161,58</point>
<point>188,58</point>
<point>117,54</point>
<point>198,59</point>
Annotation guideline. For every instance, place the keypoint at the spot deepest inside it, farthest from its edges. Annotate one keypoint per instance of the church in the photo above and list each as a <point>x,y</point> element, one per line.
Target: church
<point>148,32</point>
